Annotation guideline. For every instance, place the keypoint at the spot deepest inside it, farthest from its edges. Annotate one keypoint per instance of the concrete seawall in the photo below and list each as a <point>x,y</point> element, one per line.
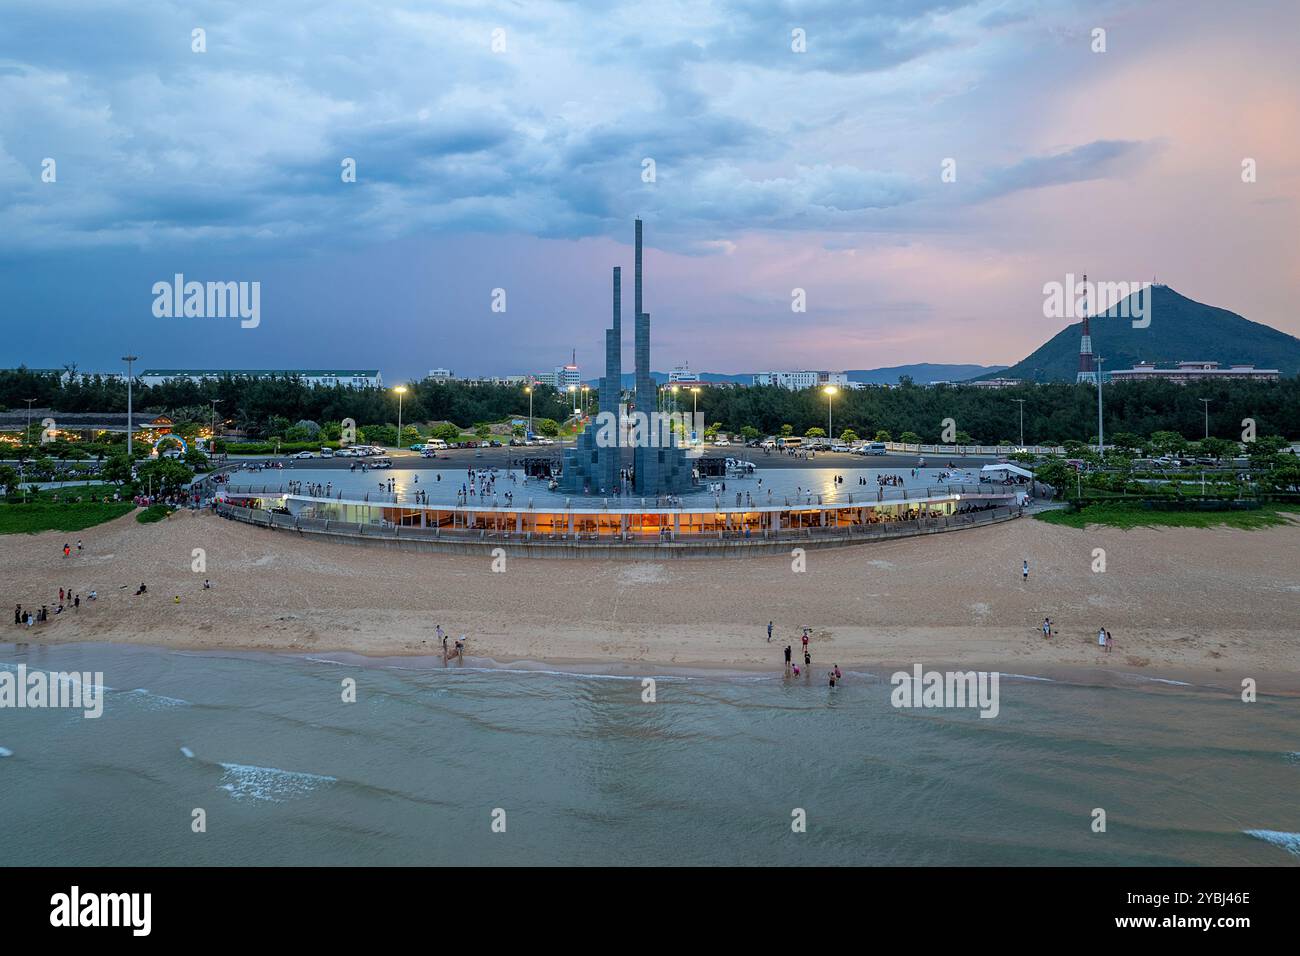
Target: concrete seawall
<point>634,548</point>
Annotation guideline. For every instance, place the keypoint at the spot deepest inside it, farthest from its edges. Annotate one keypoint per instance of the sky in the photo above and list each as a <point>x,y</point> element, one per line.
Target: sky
<point>920,169</point>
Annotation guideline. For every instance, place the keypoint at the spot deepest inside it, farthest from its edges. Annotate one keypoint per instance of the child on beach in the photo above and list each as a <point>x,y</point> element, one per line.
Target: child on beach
<point>1024,570</point>
<point>1047,627</point>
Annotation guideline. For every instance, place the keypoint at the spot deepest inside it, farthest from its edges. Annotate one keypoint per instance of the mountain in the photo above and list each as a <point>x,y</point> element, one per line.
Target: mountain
<point>1181,329</point>
<point>922,374</point>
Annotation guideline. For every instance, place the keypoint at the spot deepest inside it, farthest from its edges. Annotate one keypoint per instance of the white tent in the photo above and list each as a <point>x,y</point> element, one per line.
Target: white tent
<point>1013,469</point>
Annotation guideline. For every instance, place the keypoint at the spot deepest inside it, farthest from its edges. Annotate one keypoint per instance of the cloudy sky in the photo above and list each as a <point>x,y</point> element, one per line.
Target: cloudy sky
<point>504,145</point>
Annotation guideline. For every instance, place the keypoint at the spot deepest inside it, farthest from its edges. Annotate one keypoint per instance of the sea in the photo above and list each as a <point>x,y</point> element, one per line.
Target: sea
<point>222,759</point>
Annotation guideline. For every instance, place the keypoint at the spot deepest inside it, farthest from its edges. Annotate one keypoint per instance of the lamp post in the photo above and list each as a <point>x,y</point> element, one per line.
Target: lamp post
<point>1101,438</point>
<point>27,435</point>
<point>529,390</point>
<point>1206,403</point>
<point>573,396</point>
<point>585,390</point>
<point>830,391</point>
<point>695,410</point>
<point>400,390</point>
<point>129,360</point>
<point>1021,402</point>
<point>212,434</point>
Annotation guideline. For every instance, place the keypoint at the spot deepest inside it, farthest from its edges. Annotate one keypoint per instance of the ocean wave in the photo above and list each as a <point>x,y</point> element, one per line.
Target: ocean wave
<point>158,701</point>
<point>6,752</point>
<point>271,784</point>
<point>1279,838</point>
<point>1047,680</point>
<point>1157,680</point>
<point>186,751</point>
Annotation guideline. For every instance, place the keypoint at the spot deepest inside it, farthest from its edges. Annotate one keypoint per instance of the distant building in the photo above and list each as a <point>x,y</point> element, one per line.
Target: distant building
<point>441,374</point>
<point>1185,372</point>
<point>795,381</point>
<point>351,378</point>
<point>561,377</point>
<point>998,383</point>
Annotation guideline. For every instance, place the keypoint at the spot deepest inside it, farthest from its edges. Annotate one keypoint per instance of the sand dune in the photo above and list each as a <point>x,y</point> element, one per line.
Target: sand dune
<point>1214,603</point>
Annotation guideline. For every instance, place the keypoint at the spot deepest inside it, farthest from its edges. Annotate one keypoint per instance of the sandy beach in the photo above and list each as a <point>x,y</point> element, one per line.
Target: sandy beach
<point>1212,604</point>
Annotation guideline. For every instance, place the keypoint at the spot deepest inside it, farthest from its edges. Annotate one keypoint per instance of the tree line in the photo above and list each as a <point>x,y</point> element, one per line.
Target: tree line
<point>1053,413</point>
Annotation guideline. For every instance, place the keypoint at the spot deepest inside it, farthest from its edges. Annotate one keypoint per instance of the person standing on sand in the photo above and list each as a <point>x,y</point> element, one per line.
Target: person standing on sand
<point>66,550</point>
<point>1047,627</point>
<point>76,603</point>
<point>1024,570</point>
<point>18,613</point>
<point>1101,638</point>
<point>769,632</point>
<point>1110,642</point>
<point>78,546</point>
<point>787,659</point>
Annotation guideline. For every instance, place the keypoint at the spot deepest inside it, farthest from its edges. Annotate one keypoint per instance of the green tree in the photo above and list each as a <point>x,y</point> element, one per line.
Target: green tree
<point>848,435</point>
<point>882,435</point>
<point>8,478</point>
<point>548,427</point>
<point>749,432</point>
<point>165,475</point>
<point>447,432</point>
<point>907,438</point>
<point>1056,473</point>
<point>117,469</point>
<point>815,432</point>
<point>787,431</point>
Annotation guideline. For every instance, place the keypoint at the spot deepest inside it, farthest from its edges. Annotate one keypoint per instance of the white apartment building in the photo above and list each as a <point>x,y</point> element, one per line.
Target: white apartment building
<point>796,381</point>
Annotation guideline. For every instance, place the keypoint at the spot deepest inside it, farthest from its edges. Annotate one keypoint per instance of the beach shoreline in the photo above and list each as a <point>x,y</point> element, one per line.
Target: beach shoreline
<point>1205,606</point>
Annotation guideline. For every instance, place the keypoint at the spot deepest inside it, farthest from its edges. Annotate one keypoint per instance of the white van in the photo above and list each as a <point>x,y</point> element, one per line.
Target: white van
<point>326,452</point>
<point>874,448</point>
<point>435,444</point>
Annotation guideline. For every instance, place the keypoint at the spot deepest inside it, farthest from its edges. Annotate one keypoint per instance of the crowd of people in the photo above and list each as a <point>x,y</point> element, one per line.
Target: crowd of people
<point>793,669</point>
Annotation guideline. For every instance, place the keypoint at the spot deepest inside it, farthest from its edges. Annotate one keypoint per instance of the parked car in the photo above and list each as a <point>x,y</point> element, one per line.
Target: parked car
<point>305,454</point>
<point>326,452</point>
<point>418,446</point>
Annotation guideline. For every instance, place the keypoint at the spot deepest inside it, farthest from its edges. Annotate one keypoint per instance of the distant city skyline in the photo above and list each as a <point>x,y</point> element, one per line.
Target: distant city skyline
<point>518,169</point>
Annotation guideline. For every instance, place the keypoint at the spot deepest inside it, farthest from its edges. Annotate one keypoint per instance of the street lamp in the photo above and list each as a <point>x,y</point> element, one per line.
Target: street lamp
<point>1101,442</point>
<point>212,434</point>
<point>830,391</point>
<point>1021,403</point>
<point>400,390</point>
<point>129,360</point>
<point>1206,403</point>
<point>695,410</point>
<point>585,390</point>
<point>529,390</point>
<point>573,394</point>
<point>27,435</point>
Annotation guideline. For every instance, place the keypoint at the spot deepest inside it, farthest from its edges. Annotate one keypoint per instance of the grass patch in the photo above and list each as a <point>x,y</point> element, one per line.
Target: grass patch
<point>45,516</point>
<point>1125,515</point>
<point>154,513</point>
